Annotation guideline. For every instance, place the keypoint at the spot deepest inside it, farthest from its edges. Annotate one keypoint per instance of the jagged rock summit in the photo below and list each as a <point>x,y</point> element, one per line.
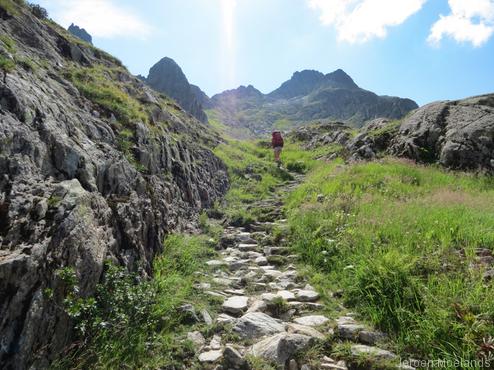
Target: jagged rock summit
<point>81,33</point>
<point>94,166</point>
<point>307,97</point>
<point>168,78</point>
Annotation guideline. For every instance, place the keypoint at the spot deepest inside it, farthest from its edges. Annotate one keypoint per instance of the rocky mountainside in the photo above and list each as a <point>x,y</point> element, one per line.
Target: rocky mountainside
<point>456,134</point>
<point>94,166</point>
<point>168,78</point>
<point>308,96</point>
<point>81,33</point>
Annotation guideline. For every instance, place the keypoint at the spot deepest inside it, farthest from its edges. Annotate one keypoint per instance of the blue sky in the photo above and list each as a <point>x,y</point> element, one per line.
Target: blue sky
<point>423,49</point>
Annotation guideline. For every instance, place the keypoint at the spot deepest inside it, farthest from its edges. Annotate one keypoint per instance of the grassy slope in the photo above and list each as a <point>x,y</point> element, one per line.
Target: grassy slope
<point>398,239</point>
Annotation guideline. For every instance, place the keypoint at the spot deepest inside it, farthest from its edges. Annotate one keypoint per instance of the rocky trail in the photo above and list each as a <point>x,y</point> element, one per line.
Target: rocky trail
<point>269,310</point>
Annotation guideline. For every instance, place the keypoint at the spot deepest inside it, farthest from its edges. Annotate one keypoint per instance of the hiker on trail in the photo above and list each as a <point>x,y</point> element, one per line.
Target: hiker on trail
<point>277,143</point>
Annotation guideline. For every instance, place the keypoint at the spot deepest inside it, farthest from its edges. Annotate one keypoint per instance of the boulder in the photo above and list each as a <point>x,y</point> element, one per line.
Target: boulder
<point>280,347</point>
<point>257,324</point>
<point>233,360</point>
<point>236,305</point>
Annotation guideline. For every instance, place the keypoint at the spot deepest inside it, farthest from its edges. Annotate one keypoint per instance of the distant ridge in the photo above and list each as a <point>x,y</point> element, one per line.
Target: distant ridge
<point>80,33</point>
<point>307,96</point>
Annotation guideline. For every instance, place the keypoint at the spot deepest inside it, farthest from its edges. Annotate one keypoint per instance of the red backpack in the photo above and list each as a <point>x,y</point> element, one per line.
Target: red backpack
<point>277,139</point>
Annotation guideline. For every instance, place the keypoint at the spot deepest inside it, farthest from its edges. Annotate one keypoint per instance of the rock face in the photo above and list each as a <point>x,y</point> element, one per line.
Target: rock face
<point>72,195</point>
<point>307,96</point>
<point>456,134</point>
<point>81,33</point>
<point>167,77</point>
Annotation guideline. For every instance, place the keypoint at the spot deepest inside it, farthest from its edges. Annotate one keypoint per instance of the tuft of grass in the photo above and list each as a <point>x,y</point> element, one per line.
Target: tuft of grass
<point>400,240</point>
<point>99,84</point>
<point>11,6</point>
<point>6,65</point>
<point>9,43</point>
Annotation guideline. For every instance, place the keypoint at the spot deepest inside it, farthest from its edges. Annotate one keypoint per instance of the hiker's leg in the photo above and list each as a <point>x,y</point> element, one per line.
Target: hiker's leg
<point>276,155</point>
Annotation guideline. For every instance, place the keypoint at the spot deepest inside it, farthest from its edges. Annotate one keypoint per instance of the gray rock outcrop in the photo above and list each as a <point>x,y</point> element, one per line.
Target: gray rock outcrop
<point>457,134</point>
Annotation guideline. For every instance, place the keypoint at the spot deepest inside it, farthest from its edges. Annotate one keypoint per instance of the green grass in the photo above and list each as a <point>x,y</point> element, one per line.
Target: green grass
<point>99,84</point>
<point>9,43</point>
<point>131,324</point>
<point>6,65</point>
<point>11,6</point>
<point>398,239</point>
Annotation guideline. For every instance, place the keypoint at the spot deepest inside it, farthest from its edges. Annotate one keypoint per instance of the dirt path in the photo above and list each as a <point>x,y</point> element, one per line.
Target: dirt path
<point>269,311</point>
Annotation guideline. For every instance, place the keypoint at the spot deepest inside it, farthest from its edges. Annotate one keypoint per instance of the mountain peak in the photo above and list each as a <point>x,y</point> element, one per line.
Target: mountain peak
<point>301,83</point>
<point>80,33</point>
<point>341,79</point>
<point>167,77</point>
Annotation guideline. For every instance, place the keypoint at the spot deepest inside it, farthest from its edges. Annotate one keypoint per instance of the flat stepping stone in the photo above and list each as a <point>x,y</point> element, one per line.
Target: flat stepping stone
<point>237,265</point>
<point>258,306</point>
<point>246,238</point>
<point>225,319</point>
<point>215,343</point>
<point>280,347</point>
<point>223,281</point>
<point>215,263</point>
<point>376,352</point>
<point>272,273</point>
<point>196,338</point>
<point>312,320</point>
<point>261,261</point>
<point>247,247</point>
<point>254,255</point>
<point>286,295</point>
<point>210,356</point>
<point>307,295</point>
<point>349,331</point>
<point>236,305</point>
<point>235,291</point>
<point>305,330</point>
<point>257,324</point>
<point>268,297</point>
<point>215,294</point>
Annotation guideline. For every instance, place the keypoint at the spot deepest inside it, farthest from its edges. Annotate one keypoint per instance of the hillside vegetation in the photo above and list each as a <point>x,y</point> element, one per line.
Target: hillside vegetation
<point>408,246</point>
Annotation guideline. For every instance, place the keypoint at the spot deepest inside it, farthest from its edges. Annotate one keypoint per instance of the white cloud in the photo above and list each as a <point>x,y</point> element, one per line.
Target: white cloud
<point>362,20</point>
<point>101,18</point>
<point>470,21</point>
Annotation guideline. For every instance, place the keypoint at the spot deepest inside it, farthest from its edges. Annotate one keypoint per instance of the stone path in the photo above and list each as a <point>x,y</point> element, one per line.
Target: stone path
<point>269,311</point>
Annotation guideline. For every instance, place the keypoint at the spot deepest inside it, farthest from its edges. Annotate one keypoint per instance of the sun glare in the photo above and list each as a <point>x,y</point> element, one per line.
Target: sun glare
<point>228,13</point>
<point>228,10</point>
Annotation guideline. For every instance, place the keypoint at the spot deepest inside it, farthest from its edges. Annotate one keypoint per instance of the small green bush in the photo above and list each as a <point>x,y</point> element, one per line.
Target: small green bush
<point>132,322</point>
<point>38,11</point>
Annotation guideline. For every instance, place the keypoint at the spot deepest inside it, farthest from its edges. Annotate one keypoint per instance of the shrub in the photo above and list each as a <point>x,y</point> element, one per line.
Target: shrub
<point>134,323</point>
<point>38,11</point>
